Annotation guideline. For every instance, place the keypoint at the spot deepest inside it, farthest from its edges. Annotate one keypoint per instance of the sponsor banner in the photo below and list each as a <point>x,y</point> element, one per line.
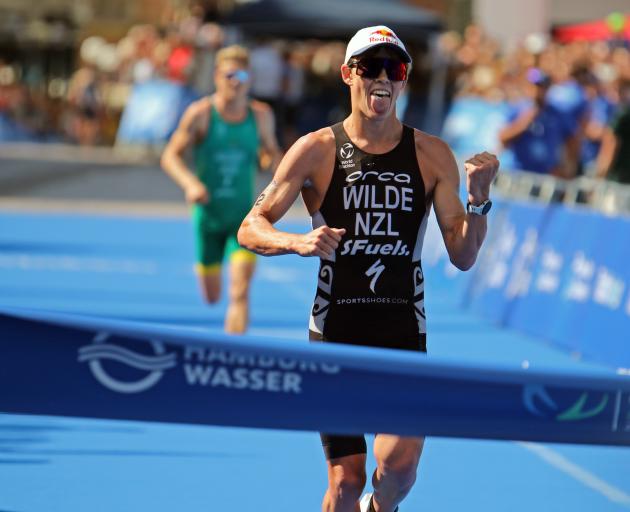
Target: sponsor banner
<point>605,337</point>
<point>502,273</point>
<point>557,273</point>
<point>153,111</point>
<point>81,366</point>
<point>578,291</point>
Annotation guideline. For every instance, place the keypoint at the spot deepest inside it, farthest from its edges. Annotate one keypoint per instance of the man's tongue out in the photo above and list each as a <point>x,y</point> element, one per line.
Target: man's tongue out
<point>379,101</point>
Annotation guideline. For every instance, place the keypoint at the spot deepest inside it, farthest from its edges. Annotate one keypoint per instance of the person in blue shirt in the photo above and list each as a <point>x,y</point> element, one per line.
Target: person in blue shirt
<point>570,97</point>
<point>601,110</point>
<point>536,133</point>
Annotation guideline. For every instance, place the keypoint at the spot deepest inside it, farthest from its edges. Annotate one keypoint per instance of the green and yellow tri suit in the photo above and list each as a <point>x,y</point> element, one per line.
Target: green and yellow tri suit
<point>226,162</point>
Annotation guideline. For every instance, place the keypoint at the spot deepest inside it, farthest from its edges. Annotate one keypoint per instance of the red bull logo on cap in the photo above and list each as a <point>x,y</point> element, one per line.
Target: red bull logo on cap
<point>383,36</point>
<point>385,33</point>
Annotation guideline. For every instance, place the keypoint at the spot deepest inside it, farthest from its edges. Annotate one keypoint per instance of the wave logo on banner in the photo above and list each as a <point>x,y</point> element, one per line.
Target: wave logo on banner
<point>155,364</point>
<point>577,411</point>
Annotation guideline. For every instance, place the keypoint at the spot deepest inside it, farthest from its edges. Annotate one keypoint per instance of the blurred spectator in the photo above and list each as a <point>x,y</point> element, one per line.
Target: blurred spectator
<point>568,97</point>
<point>268,73</point>
<point>536,132</point>
<point>600,111</point>
<point>85,99</point>
<point>293,87</point>
<point>613,162</point>
<point>482,83</point>
<point>209,40</point>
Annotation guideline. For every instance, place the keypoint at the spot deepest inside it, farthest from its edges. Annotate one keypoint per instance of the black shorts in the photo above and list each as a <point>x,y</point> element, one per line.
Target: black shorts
<point>336,446</point>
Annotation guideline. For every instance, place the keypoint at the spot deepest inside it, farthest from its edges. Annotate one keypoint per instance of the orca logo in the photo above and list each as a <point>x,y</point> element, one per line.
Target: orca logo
<point>346,151</point>
<point>380,176</point>
<point>99,351</point>
<point>535,396</point>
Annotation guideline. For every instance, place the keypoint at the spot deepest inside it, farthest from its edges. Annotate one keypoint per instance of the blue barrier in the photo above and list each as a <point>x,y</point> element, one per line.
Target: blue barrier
<point>557,273</point>
<point>80,366</point>
<point>576,296</point>
<point>503,268</point>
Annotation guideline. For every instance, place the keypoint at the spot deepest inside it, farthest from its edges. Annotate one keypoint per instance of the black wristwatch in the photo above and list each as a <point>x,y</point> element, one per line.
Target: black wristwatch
<point>482,209</point>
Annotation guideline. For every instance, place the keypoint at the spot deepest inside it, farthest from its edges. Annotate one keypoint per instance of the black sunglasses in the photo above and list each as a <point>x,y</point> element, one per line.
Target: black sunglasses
<point>370,67</point>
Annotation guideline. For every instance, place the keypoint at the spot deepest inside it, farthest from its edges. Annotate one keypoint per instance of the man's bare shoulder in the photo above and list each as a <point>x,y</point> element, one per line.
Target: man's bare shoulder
<point>431,146</point>
<point>199,108</point>
<point>260,107</point>
<point>317,144</point>
<point>433,153</point>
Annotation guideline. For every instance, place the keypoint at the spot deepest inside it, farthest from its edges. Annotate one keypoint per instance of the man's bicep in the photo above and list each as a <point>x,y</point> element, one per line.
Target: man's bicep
<point>275,200</point>
<point>185,134</point>
<point>285,187</point>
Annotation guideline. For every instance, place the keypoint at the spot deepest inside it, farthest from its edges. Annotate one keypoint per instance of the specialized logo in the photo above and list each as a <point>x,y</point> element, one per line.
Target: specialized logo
<point>346,151</point>
<point>577,411</point>
<point>375,270</point>
<point>100,351</point>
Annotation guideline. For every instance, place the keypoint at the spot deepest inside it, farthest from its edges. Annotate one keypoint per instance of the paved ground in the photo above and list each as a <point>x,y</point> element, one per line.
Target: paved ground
<point>67,178</point>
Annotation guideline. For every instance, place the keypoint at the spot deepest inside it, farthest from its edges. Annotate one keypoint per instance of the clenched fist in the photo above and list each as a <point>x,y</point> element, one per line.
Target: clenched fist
<point>481,170</point>
<point>321,242</point>
<point>196,193</point>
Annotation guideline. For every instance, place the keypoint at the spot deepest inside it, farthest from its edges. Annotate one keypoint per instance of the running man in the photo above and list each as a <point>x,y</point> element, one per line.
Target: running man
<point>369,183</point>
<point>226,132</point>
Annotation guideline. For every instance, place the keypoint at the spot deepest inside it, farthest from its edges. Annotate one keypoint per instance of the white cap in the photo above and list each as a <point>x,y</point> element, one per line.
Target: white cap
<point>370,37</point>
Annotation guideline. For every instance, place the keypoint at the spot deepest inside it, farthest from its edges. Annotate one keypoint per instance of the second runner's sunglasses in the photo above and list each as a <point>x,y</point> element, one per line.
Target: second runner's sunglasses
<point>371,67</point>
<point>240,74</point>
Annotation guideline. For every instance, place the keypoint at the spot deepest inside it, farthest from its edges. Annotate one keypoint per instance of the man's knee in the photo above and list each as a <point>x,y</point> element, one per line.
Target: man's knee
<point>347,483</point>
<point>397,460</point>
<point>240,282</point>
<point>211,296</point>
<point>209,282</point>
<point>400,470</point>
<point>239,293</point>
<point>211,289</point>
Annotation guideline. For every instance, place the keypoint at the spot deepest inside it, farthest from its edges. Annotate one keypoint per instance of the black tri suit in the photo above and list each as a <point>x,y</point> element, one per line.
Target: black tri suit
<point>371,291</point>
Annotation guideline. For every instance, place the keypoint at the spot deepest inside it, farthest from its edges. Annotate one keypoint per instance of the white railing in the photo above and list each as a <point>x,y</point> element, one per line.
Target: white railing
<point>605,196</point>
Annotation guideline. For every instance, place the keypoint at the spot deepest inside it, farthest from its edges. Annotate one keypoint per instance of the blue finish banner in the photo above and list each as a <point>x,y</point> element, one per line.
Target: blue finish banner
<point>88,367</point>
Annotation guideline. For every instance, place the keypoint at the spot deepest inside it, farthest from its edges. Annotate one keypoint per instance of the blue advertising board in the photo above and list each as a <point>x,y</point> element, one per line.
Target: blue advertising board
<point>578,293</point>
<point>503,268</point>
<point>560,274</point>
<point>560,260</point>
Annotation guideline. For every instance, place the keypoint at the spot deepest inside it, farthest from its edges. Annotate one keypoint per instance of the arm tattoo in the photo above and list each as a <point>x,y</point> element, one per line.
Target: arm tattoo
<point>260,199</point>
<point>270,189</point>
